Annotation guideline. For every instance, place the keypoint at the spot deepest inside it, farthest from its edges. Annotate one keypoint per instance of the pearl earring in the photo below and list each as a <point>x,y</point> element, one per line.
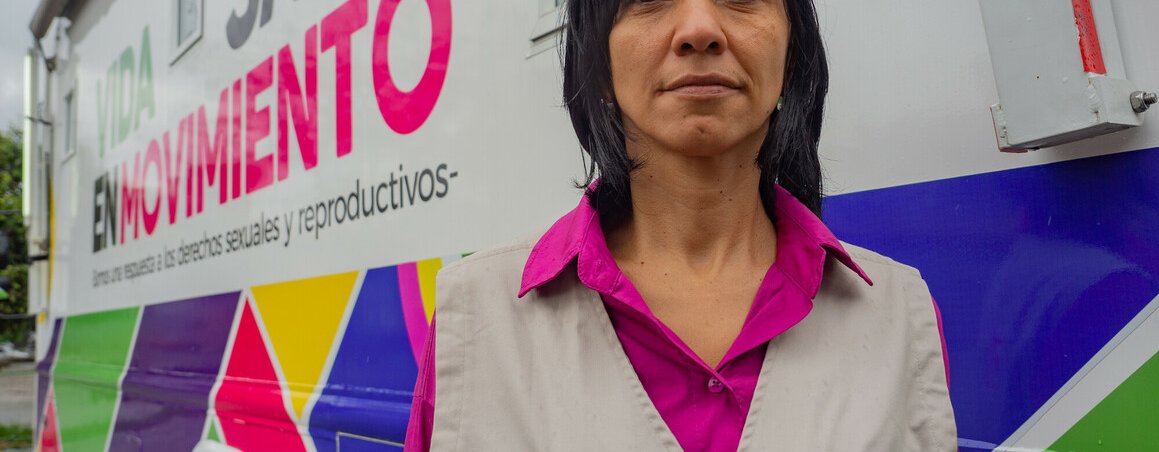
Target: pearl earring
<point>780,102</point>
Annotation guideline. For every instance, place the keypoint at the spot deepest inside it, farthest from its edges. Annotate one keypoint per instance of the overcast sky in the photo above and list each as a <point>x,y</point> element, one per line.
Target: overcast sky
<point>15,39</point>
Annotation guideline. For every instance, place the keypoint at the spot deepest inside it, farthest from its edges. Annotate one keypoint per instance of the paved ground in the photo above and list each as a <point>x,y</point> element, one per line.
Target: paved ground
<point>17,393</point>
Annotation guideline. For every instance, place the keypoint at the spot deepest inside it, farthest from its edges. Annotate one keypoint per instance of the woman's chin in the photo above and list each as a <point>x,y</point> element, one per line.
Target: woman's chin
<point>701,140</point>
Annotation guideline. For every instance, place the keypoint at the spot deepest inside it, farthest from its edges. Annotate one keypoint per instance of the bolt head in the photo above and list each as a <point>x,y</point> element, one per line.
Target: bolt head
<point>1142,101</point>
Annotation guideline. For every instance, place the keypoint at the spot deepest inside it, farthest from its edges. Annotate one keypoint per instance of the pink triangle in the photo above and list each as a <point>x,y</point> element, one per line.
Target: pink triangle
<point>249,402</point>
<point>49,436</point>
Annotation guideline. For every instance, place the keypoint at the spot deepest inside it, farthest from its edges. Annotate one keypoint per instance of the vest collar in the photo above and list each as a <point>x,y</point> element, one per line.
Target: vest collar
<point>803,241</point>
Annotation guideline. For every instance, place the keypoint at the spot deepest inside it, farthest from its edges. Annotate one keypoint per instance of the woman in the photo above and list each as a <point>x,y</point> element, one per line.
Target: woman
<point>693,300</point>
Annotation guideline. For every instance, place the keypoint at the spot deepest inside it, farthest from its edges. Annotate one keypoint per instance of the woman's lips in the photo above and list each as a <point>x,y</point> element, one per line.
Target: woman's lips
<point>703,90</point>
<point>702,86</point>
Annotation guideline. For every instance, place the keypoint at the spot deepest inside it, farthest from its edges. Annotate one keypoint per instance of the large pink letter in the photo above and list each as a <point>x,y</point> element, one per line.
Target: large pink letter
<point>290,101</point>
<point>212,154</point>
<point>336,30</point>
<point>405,112</point>
<point>172,168</point>
<point>152,157</point>
<point>259,172</point>
<point>235,163</point>
<point>131,197</point>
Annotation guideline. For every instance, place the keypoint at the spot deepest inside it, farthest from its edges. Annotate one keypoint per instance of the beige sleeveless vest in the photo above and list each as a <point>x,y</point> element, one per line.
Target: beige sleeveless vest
<point>863,371</point>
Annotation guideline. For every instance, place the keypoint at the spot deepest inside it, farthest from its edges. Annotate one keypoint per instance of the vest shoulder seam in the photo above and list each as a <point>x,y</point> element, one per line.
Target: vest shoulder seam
<point>860,254</point>
<point>504,250</point>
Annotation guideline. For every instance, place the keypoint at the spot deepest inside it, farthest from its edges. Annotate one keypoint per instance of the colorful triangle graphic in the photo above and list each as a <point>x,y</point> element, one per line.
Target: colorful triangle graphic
<point>427,269</point>
<point>49,436</point>
<point>301,319</point>
<point>249,402</point>
<point>86,378</point>
<point>1120,421</point>
<point>212,434</point>
<point>1110,404</point>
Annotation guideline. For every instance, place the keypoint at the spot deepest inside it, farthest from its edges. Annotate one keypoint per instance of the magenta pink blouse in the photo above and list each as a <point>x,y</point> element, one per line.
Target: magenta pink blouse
<point>705,407</point>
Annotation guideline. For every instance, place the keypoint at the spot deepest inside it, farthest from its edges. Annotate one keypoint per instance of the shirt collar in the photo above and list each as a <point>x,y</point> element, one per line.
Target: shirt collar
<point>803,241</point>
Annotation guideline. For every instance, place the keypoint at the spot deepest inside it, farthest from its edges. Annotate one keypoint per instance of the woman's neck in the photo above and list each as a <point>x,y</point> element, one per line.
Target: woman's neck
<point>703,214</point>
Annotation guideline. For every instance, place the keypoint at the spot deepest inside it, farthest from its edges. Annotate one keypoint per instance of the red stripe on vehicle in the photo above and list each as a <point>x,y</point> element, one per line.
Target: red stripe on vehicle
<point>1092,52</point>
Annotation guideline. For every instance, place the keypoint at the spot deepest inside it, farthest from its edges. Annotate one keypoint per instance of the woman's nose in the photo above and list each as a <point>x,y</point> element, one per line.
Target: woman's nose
<point>698,28</point>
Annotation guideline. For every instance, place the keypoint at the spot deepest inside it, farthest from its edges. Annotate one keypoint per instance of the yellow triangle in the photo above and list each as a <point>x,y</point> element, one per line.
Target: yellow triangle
<point>301,319</point>
<point>427,269</point>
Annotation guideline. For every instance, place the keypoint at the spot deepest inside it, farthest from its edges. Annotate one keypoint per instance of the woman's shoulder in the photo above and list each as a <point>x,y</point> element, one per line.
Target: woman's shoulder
<point>892,281</point>
<point>502,264</point>
<point>898,320</point>
<point>876,263</point>
<point>513,252</point>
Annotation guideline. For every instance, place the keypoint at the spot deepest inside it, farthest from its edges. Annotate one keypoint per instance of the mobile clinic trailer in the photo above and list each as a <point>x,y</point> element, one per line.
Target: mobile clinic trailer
<point>237,209</point>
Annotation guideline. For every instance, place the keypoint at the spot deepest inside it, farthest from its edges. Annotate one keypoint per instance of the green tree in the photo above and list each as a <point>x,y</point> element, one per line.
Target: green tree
<point>12,229</point>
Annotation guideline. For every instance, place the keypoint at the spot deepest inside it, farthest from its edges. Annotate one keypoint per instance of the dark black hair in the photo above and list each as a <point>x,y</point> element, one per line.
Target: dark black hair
<point>788,154</point>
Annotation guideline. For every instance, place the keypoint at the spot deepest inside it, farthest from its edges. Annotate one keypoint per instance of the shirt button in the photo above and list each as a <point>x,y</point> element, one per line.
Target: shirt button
<point>715,386</point>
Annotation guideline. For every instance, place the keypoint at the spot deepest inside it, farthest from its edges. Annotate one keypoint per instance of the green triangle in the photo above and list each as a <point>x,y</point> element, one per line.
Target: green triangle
<point>94,350</point>
<point>1125,420</point>
<point>212,435</point>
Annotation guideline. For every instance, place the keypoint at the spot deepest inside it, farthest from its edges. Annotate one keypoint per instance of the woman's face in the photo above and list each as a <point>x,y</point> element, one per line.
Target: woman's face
<point>698,77</point>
